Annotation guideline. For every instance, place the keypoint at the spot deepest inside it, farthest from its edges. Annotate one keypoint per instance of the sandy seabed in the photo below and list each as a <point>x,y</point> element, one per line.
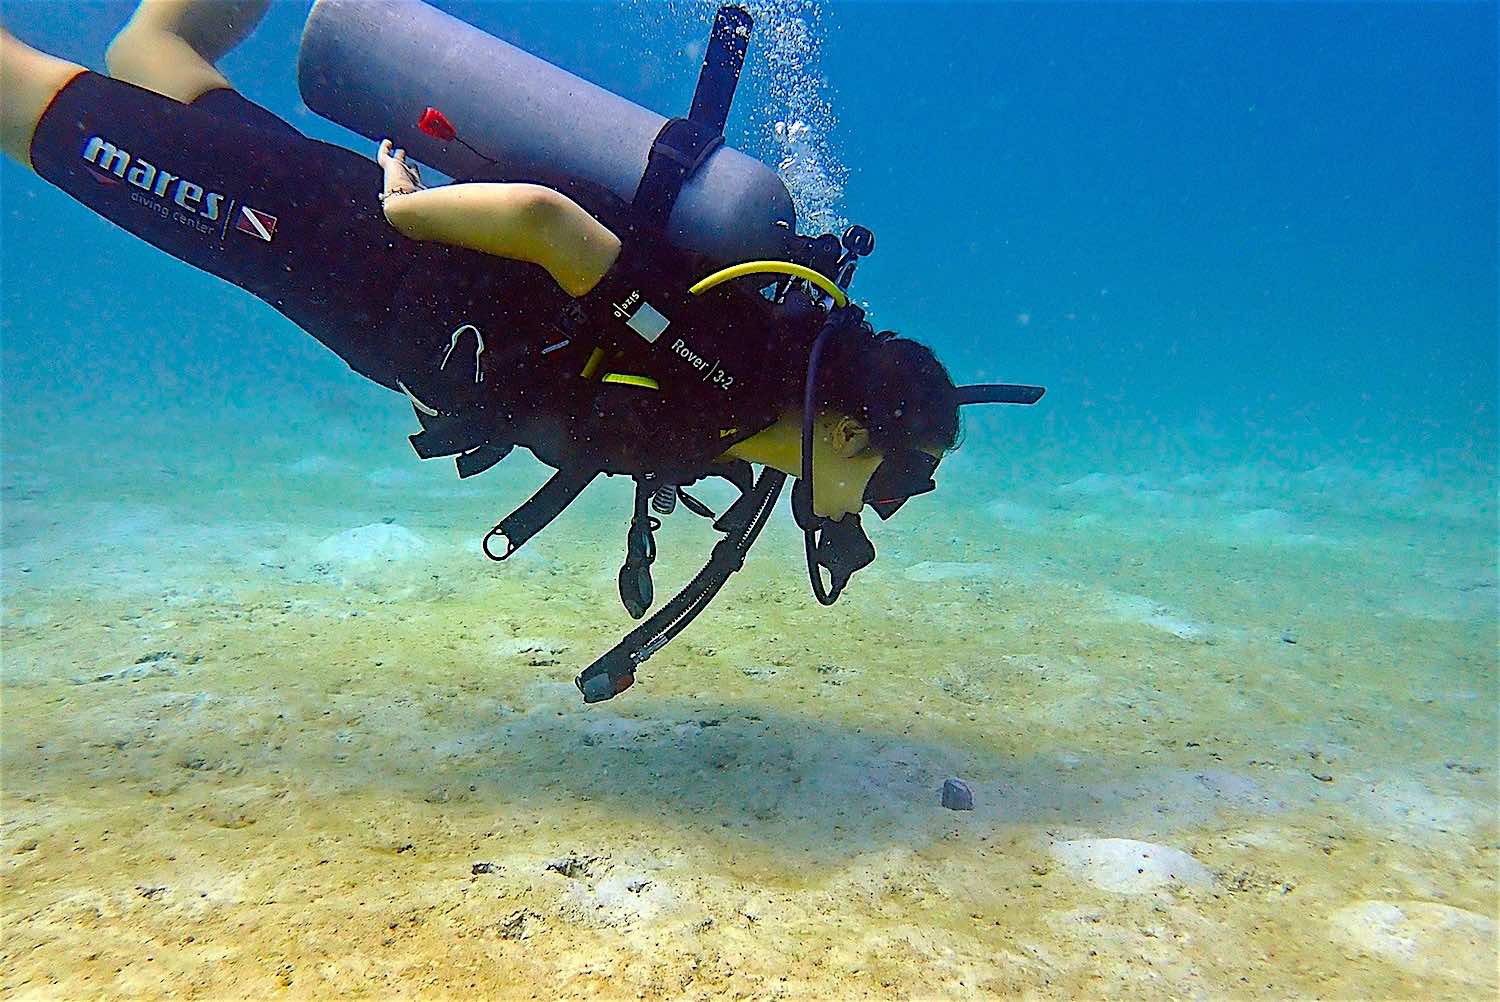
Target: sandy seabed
<point>274,729</point>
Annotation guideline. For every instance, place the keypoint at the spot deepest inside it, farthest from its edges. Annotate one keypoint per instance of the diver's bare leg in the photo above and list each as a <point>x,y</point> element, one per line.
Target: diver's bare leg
<point>29,80</point>
<point>170,46</point>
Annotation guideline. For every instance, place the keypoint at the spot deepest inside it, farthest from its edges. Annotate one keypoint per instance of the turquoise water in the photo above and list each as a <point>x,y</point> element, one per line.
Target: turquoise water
<point>1273,218</point>
<point>1229,590</point>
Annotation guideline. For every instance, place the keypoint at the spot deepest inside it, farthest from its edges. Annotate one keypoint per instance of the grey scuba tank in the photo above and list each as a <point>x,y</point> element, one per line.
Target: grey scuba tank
<point>374,66</point>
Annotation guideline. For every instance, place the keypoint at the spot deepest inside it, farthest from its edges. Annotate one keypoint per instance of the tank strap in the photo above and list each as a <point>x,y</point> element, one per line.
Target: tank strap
<point>680,148</point>
<point>683,144</point>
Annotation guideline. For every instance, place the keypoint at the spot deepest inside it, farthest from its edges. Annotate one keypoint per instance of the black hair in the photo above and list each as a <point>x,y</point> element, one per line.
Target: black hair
<point>894,386</point>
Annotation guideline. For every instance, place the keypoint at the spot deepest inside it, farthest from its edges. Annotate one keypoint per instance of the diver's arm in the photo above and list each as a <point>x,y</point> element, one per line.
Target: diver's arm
<point>524,222</point>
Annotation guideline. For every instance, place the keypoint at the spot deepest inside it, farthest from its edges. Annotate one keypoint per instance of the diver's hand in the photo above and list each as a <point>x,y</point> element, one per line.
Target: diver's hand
<point>400,177</point>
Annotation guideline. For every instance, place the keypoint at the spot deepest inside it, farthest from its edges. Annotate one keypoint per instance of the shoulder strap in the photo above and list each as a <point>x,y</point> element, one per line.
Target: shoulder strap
<point>683,144</point>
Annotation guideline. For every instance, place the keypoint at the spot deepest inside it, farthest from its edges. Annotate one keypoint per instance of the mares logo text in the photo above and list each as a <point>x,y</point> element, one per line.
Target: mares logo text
<point>149,178</point>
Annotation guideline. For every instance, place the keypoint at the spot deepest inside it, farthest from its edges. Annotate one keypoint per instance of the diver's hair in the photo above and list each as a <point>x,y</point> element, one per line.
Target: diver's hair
<point>894,386</point>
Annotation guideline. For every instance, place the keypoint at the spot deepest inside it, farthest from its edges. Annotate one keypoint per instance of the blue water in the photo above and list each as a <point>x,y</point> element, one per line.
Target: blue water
<point>1229,587</point>
<point>1274,222</point>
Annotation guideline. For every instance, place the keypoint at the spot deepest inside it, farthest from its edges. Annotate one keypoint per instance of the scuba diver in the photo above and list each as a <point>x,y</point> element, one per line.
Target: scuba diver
<point>549,314</point>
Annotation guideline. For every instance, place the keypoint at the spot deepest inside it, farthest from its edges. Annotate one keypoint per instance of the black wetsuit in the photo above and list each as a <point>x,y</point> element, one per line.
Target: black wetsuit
<point>228,187</point>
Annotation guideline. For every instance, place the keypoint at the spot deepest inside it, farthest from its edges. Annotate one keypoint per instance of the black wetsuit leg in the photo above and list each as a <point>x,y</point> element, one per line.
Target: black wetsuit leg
<point>229,188</point>
<point>226,102</point>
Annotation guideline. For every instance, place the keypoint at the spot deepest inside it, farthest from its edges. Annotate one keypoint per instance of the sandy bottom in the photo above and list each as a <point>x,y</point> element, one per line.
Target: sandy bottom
<point>1229,733</point>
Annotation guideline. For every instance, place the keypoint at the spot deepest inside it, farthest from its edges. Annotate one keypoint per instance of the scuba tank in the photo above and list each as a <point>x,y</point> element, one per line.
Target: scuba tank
<point>374,66</point>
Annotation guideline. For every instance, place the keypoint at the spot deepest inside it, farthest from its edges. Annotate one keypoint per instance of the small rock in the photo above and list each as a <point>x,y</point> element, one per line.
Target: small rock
<point>572,866</point>
<point>638,885</point>
<point>957,796</point>
<point>150,893</point>
<point>1322,777</point>
<point>159,662</point>
<point>1287,638</point>
<point>29,845</point>
<point>518,925</point>
<point>479,868</point>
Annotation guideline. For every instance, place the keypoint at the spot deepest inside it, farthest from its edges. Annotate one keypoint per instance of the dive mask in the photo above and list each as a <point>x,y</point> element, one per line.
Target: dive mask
<point>900,476</point>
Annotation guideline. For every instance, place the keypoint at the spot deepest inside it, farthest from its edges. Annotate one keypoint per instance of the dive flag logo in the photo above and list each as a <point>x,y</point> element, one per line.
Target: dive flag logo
<point>256,223</point>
